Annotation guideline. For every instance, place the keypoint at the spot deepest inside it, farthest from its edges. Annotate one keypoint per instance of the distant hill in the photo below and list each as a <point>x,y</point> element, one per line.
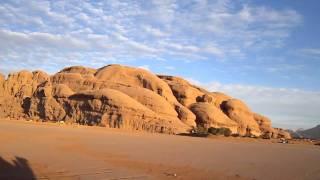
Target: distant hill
<point>313,133</point>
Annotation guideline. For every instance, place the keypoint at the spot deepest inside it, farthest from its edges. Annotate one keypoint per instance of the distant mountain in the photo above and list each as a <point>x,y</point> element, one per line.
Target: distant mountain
<point>294,134</point>
<point>313,133</point>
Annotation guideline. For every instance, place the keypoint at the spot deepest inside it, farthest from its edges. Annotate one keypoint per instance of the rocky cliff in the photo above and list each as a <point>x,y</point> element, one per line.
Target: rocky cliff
<point>124,97</point>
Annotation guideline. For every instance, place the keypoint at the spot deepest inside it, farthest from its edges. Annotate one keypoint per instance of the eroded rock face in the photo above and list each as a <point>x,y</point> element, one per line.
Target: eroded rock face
<point>44,105</point>
<point>184,92</point>
<point>79,69</point>
<point>219,98</point>
<point>240,113</point>
<point>115,109</point>
<point>135,77</point>
<point>281,133</point>
<point>207,115</point>
<point>2,80</point>
<point>123,97</point>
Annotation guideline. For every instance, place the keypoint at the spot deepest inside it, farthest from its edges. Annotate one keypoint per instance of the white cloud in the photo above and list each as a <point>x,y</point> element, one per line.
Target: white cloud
<point>21,40</point>
<point>169,67</point>
<point>155,32</point>
<point>311,52</point>
<point>145,67</point>
<point>288,108</point>
<point>220,29</point>
<point>214,50</point>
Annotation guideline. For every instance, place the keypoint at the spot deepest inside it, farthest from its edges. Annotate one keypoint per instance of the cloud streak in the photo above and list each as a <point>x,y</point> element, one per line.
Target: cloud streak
<point>190,30</point>
<point>288,108</point>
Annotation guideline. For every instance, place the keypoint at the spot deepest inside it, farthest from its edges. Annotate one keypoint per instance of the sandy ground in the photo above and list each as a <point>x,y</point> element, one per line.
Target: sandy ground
<point>48,151</point>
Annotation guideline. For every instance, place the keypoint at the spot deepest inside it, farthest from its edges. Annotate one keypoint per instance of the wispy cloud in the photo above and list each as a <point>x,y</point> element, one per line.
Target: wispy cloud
<point>122,30</point>
<point>311,52</point>
<point>145,67</point>
<point>288,108</point>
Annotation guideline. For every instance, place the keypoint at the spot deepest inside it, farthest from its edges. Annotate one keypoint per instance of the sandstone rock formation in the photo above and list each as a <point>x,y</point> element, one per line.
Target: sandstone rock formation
<point>240,113</point>
<point>117,96</point>
<point>207,115</point>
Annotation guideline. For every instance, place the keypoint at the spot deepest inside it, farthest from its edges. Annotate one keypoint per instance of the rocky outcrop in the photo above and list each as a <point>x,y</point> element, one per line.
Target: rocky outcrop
<point>281,133</point>
<point>207,115</point>
<point>264,124</point>
<point>2,80</point>
<point>183,91</point>
<point>117,96</point>
<point>157,103</point>
<point>240,113</point>
<point>113,108</point>
<point>219,98</point>
<point>84,71</point>
<point>136,78</point>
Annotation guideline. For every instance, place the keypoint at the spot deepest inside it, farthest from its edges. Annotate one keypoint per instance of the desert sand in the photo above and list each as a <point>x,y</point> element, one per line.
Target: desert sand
<point>54,151</point>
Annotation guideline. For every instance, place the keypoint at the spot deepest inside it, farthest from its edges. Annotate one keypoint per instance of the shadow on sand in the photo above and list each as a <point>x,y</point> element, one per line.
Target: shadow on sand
<point>194,134</point>
<point>19,169</point>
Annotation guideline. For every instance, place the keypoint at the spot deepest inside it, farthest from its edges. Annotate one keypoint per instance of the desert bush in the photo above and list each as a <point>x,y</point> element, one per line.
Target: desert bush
<point>235,135</point>
<point>199,131</point>
<point>220,131</point>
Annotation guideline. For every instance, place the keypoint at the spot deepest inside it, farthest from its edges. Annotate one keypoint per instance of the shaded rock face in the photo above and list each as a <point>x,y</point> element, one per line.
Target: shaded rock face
<point>265,126</point>
<point>240,113</point>
<point>2,79</point>
<point>117,96</point>
<point>184,92</point>
<point>207,115</point>
<point>281,133</point>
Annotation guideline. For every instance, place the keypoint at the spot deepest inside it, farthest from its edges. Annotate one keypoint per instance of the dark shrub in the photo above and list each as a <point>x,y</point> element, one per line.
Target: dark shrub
<point>199,132</point>
<point>220,131</point>
<point>235,135</point>
<point>227,132</point>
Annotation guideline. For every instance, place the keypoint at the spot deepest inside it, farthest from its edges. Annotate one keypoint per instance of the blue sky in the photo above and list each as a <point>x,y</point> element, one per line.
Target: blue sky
<point>264,52</point>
